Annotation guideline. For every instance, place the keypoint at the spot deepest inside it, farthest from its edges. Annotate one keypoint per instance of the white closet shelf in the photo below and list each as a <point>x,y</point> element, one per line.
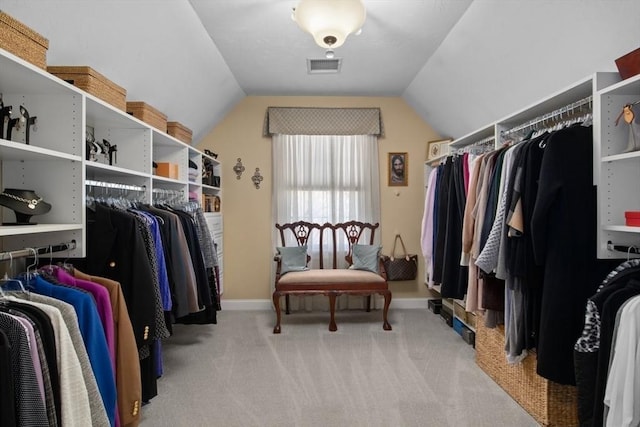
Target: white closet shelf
<point>472,137</point>
<point>622,156</point>
<point>216,162</point>
<point>112,171</point>
<point>162,139</point>
<point>624,228</point>
<point>12,230</point>
<point>10,150</point>
<point>623,87</point>
<point>106,115</point>
<point>209,187</point>
<point>162,179</point>
<point>19,76</point>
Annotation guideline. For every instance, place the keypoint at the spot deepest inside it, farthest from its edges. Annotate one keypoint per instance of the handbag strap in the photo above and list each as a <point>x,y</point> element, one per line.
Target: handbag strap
<point>404,249</point>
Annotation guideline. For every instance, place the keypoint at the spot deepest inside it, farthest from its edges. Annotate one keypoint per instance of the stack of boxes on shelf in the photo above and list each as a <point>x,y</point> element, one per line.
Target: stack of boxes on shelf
<point>22,41</point>
<point>148,114</point>
<point>91,81</point>
<point>179,131</point>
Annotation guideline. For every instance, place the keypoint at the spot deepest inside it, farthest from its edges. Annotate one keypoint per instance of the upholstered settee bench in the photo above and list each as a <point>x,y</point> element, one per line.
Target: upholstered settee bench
<point>365,274</point>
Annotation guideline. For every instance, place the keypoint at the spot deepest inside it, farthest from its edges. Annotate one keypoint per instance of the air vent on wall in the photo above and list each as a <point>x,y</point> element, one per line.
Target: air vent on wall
<point>323,66</point>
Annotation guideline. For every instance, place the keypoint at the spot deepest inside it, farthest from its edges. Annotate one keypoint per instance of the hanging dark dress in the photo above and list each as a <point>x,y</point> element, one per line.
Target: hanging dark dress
<point>564,242</point>
<point>454,276</point>
<point>440,221</point>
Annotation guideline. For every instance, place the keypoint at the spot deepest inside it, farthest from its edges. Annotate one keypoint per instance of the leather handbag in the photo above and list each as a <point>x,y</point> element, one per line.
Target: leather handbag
<point>404,268</point>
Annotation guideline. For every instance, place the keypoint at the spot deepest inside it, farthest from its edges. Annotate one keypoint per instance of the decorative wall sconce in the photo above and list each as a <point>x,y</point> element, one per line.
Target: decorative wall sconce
<point>238,168</point>
<point>257,178</point>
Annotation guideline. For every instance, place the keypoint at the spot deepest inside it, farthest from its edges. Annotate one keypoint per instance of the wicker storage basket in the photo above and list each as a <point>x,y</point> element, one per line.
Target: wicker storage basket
<point>179,131</point>
<point>551,404</point>
<point>91,81</point>
<point>22,41</point>
<point>147,114</point>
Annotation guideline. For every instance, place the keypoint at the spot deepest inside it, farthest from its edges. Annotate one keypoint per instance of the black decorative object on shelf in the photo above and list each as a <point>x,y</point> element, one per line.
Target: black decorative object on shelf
<point>27,121</point>
<point>13,123</point>
<point>24,203</point>
<point>5,115</point>
<point>17,123</point>
<point>111,149</point>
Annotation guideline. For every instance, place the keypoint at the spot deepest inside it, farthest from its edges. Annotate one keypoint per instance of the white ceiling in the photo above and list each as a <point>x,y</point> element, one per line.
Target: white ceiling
<point>267,51</point>
<point>460,64</point>
<point>195,59</point>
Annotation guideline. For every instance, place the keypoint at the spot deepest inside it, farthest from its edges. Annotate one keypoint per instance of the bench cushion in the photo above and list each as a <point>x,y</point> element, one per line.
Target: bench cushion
<point>330,277</point>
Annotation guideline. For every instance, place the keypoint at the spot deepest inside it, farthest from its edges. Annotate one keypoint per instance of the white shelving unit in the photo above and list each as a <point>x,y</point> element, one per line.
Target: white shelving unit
<point>618,172</point>
<point>54,164</point>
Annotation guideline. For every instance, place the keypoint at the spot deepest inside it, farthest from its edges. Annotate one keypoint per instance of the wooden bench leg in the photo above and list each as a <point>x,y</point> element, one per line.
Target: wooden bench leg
<point>368,306</point>
<point>276,303</point>
<point>286,304</point>
<point>387,300</point>
<point>332,307</point>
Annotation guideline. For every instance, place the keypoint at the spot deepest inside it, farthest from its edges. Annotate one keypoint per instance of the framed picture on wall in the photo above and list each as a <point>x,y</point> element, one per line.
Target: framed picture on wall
<point>438,148</point>
<point>398,169</point>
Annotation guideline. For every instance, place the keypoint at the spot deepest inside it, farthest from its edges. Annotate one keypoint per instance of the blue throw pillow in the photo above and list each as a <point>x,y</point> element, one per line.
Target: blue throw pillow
<point>294,258</point>
<point>366,257</point>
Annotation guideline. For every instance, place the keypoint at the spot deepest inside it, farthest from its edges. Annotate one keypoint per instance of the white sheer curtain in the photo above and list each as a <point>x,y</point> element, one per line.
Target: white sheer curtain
<point>325,178</point>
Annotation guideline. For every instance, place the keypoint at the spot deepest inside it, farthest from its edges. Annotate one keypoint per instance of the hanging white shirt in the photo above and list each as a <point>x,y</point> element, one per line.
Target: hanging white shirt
<point>622,394</point>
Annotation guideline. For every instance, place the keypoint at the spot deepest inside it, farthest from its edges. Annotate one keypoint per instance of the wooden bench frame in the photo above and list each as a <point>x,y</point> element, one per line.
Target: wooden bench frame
<point>354,232</point>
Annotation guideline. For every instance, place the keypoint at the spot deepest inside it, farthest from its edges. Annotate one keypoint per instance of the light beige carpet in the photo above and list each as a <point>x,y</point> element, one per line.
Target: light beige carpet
<point>237,373</point>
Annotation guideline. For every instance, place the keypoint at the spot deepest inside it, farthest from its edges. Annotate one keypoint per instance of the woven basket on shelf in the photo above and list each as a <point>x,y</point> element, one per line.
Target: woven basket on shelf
<point>22,41</point>
<point>91,81</point>
<point>550,403</point>
<point>179,131</point>
<point>147,114</point>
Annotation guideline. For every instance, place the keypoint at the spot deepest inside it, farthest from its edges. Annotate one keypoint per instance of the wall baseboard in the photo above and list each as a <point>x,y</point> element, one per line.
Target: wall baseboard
<point>266,304</point>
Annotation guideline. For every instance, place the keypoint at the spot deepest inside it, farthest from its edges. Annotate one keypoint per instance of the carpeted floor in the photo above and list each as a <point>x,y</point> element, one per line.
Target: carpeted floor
<point>237,373</point>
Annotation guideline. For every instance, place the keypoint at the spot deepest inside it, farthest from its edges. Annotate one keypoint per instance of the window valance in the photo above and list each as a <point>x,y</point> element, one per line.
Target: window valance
<point>323,121</point>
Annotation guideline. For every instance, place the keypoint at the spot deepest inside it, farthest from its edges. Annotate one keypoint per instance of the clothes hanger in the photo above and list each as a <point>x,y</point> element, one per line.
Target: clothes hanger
<point>49,268</point>
<point>35,263</point>
<point>7,279</point>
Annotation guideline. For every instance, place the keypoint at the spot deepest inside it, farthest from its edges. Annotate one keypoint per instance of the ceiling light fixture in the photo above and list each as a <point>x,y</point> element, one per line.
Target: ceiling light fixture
<point>330,21</point>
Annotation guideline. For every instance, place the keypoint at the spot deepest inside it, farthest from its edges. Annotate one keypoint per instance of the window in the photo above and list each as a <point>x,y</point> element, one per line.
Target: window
<point>326,178</point>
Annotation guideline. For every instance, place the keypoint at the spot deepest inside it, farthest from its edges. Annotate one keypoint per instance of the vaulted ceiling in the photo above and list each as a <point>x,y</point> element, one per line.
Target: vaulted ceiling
<point>195,59</point>
<point>459,63</point>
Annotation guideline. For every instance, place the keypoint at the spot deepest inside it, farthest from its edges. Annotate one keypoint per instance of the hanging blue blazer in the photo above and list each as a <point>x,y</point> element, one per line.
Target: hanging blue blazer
<point>92,333</point>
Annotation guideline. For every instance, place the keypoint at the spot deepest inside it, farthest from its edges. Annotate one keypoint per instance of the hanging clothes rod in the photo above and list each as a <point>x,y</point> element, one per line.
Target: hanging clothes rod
<point>161,191</point>
<point>628,249</point>
<point>485,144</point>
<point>560,112</point>
<point>115,185</point>
<point>28,252</point>
<point>484,141</point>
<point>166,195</point>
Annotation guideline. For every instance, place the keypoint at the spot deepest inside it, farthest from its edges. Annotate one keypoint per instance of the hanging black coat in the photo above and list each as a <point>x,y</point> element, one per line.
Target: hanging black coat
<point>454,276</point>
<point>440,220</point>
<point>564,242</point>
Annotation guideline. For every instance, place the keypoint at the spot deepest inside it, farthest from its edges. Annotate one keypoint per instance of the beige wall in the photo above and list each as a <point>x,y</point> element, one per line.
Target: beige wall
<point>248,250</point>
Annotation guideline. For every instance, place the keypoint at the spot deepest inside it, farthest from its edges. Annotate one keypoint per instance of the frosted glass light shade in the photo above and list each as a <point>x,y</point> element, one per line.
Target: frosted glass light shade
<point>329,20</point>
